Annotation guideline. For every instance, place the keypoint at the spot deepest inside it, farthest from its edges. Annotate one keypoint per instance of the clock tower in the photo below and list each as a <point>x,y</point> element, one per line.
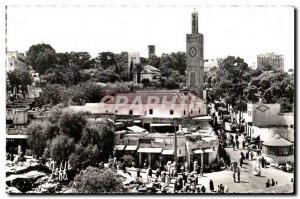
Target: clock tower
<point>194,56</point>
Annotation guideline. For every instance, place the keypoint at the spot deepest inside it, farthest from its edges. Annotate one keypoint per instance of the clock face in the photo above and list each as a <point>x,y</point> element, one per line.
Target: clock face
<point>193,51</point>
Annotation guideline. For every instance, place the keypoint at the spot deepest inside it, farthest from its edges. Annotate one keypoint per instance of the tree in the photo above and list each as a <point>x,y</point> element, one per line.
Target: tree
<point>41,57</point>
<point>72,124</point>
<point>61,147</point>
<point>107,142</point>
<point>94,180</point>
<point>105,59</point>
<point>51,95</point>
<point>19,80</point>
<point>37,138</point>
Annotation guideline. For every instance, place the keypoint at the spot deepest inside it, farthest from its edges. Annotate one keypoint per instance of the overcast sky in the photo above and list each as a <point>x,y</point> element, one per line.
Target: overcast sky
<point>239,31</point>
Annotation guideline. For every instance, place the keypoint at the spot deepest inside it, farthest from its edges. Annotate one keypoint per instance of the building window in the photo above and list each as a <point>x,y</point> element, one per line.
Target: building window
<point>116,111</point>
<point>184,112</point>
<point>150,111</point>
<point>292,126</point>
<point>191,112</point>
<point>130,112</point>
<point>171,112</point>
<point>179,151</point>
<point>199,110</point>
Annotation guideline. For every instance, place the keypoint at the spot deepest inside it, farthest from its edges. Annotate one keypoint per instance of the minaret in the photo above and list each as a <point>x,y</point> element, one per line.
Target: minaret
<point>195,62</point>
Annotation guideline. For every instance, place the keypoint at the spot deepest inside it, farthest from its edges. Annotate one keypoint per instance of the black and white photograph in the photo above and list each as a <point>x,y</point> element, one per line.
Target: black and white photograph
<point>150,99</point>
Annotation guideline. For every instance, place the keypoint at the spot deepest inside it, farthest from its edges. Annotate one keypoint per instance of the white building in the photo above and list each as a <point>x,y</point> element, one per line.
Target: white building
<point>268,123</point>
<point>15,60</point>
<point>272,59</point>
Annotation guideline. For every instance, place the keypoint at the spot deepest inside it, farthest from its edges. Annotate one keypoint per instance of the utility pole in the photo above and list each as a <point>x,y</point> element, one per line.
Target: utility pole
<point>175,141</point>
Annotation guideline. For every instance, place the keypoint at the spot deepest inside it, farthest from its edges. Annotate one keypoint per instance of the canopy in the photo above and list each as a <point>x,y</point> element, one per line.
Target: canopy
<point>157,124</point>
<point>150,150</point>
<point>208,151</point>
<point>16,136</point>
<point>137,121</point>
<point>131,148</point>
<point>119,147</point>
<point>136,129</point>
<point>168,152</point>
<point>208,117</point>
<point>198,151</point>
<point>277,140</point>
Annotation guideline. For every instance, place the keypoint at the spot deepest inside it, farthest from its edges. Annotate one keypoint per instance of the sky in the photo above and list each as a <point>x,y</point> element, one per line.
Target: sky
<point>239,31</point>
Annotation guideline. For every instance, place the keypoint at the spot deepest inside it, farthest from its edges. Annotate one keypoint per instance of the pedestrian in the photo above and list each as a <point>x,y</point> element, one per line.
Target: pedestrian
<point>251,155</point>
<point>236,137</point>
<point>233,145</point>
<point>145,164</point>
<point>211,185</point>
<point>238,174</point>
<point>157,172</point>
<point>237,144</point>
<point>201,170</point>
<point>226,190</point>
<point>203,189</point>
<point>268,184</point>
<point>244,144</point>
<point>241,161</point>
<point>273,182</point>
<point>138,173</point>
<point>233,176</point>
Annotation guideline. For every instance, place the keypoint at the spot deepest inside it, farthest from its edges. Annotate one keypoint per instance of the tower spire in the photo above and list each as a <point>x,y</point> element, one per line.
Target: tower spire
<point>194,22</point>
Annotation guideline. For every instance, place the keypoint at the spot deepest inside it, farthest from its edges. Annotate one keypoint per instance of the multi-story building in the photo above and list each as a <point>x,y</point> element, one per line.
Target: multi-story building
<point>270,59</point>
<point>15,60</point>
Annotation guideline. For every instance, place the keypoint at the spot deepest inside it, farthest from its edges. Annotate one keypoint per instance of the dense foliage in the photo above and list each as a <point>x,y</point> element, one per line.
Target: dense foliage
<point>94,180</point>
<point>68,136</point>
<point>18,81</point>
<point>238,84</point>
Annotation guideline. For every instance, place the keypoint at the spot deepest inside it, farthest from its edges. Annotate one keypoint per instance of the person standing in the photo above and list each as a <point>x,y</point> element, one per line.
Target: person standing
<point>203,189</point>
<point>273,182</point>
<point>233,145</point>
<point>211,185</point>
<point>268,184</point>
<point>243,143</point>
<point>201,170</point>
<point>237,144</point>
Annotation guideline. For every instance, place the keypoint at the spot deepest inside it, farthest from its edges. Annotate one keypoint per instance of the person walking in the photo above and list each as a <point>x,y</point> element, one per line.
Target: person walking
<point>211,185</point>
<point>233,176</point>
<point>241,161</point>
<point>239,174</point>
